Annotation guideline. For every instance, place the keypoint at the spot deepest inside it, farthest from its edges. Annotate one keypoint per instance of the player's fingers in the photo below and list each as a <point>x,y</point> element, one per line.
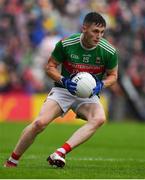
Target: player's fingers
<point>73,88</point>
<point>73,84</point>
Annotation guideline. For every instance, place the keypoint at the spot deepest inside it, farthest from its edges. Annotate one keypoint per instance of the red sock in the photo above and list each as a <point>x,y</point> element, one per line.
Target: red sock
<point>67,147</point>
<point>15,156</point>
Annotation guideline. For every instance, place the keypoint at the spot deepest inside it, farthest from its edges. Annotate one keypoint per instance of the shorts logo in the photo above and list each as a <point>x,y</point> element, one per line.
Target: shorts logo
<point>51,93</point>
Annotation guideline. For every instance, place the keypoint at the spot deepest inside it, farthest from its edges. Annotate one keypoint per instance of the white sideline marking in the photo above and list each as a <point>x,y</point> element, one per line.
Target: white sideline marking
<point>91,159</point>
<point>106,159</point>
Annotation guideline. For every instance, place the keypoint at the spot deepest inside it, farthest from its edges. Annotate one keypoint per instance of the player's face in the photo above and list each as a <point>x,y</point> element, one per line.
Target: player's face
<point>92,34</point>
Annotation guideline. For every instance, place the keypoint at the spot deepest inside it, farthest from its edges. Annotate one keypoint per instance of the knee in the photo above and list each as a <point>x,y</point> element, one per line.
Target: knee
<point>101,121</point>
<point>39,125</point>
<point>97,122</point>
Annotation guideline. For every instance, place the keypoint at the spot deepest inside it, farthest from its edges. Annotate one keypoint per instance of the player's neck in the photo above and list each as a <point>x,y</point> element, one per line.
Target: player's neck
<point>85,44</point>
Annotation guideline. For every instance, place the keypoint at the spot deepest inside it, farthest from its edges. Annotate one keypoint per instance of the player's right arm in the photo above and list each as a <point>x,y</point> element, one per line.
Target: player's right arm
<point>57,58</point>
<point>52,71</point>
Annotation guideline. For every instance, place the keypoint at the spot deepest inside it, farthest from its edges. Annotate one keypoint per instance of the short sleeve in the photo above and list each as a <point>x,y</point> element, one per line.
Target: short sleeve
<point>112,61</point>
<point>58,53</point>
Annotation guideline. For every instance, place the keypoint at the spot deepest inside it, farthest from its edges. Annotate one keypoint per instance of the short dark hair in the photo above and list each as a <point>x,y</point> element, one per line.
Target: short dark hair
<point>94,17</point>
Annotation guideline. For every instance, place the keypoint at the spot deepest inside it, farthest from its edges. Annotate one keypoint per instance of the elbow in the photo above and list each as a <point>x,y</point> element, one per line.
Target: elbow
<point>115,79</point>
<point>47,69</point>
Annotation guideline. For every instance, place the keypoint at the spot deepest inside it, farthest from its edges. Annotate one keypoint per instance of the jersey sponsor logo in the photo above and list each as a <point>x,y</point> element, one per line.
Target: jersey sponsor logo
<point>74,68</point>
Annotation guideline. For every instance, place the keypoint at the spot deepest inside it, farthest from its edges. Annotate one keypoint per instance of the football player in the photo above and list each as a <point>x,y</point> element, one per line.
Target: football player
<point>89,52</point>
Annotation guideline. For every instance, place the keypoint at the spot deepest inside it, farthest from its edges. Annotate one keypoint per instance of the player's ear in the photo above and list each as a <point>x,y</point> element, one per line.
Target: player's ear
<point>84,28</point>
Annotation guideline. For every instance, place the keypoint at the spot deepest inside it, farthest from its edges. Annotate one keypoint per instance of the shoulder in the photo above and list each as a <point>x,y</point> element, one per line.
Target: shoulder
<point>106,46</point>
<point>71,40</point>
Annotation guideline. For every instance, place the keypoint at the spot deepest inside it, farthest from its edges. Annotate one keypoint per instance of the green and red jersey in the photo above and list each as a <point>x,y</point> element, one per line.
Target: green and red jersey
<point>76,58</point>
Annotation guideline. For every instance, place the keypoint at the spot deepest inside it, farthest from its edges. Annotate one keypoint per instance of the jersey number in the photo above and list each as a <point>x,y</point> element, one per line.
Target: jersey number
<point>85,59</point>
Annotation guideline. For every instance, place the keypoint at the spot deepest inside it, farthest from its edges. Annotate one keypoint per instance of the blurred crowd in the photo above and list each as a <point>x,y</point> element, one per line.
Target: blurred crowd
<point>29,30</point>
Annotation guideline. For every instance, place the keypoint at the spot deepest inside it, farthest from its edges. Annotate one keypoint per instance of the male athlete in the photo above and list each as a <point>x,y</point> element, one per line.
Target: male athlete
<point>82,52</point>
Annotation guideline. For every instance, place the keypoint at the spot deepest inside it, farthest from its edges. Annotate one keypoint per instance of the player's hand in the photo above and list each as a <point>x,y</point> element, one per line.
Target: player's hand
<point>69,85</point>
<point>98,88</point>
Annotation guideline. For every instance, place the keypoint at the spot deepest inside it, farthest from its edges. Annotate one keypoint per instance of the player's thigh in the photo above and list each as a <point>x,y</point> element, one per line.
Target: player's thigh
<point>49,111</point>
<point>92,112</point>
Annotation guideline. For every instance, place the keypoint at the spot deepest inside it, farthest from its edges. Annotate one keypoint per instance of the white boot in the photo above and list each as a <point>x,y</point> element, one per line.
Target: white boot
<point>56,160</point>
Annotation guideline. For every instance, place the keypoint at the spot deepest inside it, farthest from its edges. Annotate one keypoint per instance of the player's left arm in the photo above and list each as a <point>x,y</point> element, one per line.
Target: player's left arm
<point>111,73</point>
<point>111,70</point>
<point>111,77</point>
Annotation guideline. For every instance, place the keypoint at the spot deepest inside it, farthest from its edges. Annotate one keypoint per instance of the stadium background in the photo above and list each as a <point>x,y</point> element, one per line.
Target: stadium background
<point>29,30</point>
<point>28,33</point>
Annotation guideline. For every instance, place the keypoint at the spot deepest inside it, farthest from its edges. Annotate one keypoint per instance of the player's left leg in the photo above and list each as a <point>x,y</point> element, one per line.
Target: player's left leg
<point>95,116</point>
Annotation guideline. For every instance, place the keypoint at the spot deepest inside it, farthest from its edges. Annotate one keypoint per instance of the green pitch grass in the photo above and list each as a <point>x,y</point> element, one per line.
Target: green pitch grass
<point>117,150</point>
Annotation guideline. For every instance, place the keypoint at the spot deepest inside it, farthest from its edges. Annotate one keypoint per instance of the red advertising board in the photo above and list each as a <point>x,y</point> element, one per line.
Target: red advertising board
<point>24,107</point>
<point>15,107</point>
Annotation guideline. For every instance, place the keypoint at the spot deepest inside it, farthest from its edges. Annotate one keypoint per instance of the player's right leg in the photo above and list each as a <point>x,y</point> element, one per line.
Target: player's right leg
<point>50,110</point>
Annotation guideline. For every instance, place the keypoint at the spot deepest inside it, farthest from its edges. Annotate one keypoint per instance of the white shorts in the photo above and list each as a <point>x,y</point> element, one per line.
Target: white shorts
<point>68,101</point>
